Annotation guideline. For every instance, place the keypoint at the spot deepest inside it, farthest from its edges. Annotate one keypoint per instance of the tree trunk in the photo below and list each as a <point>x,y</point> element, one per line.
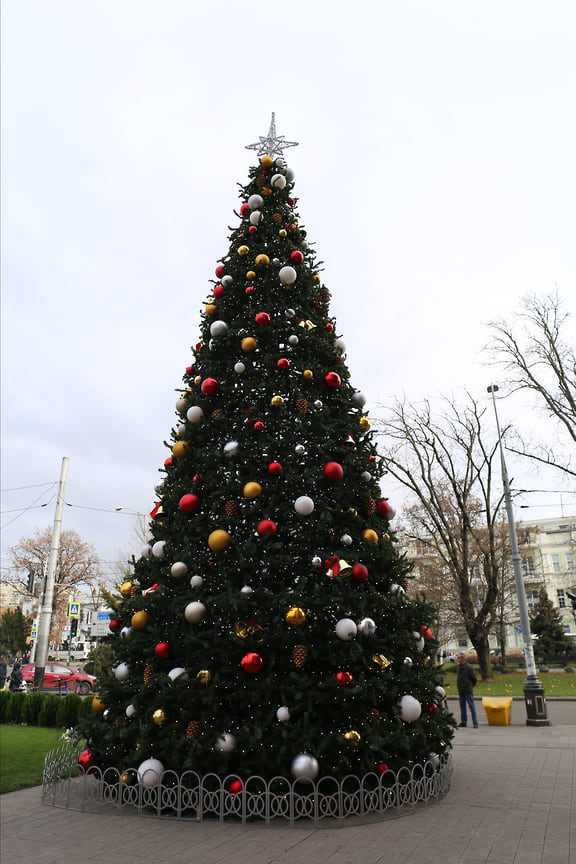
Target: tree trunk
<point>482,648</point>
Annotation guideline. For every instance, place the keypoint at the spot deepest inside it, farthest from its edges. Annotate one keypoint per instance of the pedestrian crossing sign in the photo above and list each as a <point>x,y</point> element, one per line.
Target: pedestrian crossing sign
<point>73,610</point>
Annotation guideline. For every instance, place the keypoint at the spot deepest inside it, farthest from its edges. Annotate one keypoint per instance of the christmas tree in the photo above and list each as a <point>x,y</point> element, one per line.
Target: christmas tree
<point>265,630</point>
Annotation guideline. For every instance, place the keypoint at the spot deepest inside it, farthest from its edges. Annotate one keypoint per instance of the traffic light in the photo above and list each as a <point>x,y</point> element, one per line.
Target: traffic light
<point>73,627</point>
<point>31,579</point>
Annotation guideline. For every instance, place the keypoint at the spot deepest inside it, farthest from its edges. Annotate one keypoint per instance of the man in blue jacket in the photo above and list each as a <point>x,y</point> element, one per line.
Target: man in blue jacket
<point>466,681</point>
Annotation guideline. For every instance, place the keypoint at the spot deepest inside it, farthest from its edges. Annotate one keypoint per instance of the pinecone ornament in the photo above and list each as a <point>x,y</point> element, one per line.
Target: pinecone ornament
<point>299,655</point>
<point>231,508</point>
<point>370,507</point>
<point>301,406</point>
<point>217,414</point>
<point>148,673</point>
<point>325,293</point>
<point>277,218</point>
<point>194,729</point>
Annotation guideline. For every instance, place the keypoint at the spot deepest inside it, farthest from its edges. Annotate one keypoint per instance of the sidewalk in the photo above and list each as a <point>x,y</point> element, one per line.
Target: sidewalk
<point>512,801</point>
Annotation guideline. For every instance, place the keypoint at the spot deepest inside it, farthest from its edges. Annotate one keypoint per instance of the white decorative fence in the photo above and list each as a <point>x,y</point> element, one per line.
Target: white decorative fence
<point>207,798</point>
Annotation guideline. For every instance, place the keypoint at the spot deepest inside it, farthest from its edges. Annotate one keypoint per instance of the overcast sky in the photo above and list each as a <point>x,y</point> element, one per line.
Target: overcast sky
<point>435,174</point>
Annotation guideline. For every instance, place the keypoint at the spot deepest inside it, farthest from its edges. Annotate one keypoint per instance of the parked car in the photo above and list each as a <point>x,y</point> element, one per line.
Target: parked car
<point>59,677</point>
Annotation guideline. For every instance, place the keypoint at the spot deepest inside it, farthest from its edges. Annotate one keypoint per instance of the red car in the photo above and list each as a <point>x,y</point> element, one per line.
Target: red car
<point>61,678</point>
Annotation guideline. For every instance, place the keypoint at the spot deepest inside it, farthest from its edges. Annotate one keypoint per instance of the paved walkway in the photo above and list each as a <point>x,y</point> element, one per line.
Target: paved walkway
<point>512,801</point>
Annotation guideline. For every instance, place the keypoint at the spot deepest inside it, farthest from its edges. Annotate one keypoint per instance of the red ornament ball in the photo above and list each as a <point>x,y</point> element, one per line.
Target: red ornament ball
<point>291,201</point>
<point>163,650</point>
<point>249,290</point>
<point>252,663</point>
<point>333,380</point>
<point>262,318</point>
<point>274,468</point>
<point>329,327</point>
<point>333,472</point>
<point>359,573</point>
<point>220,270</point>
<point>283,364</point>
<point>296,257</point>
<point>258,426</point>
<point>189,370</point>
<point>235,787</point>
<point>253,229</point>
<point>245,210</point>
<point>86,761</point>
<point>344,679</point>
<point>189,504</point>
<point>115,625</point>
<point>383,509</point>
<point>168,462</point>
<point>382,768</point>
<point>210,387</point>
<point>266,528</point>
<point>219,291</point>
<point>427,632</point>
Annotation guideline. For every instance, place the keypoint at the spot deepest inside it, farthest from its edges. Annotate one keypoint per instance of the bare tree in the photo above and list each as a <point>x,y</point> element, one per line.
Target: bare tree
<point>78,567</point>
<point>537,354</point>
<point>448,470</point>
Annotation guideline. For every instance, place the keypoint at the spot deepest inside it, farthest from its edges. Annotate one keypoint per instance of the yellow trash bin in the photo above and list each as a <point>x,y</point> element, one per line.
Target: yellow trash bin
<point>497,709</point>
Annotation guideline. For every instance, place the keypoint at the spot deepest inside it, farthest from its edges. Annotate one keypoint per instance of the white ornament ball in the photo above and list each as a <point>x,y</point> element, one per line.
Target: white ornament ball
<point>304,767</point>
<point>290,313</point>
<point>359,398</point>
<point>150,772</point>
<point>122,671</point>
<point>289,173</point>
<point>346,629</point>
<point>316,561</point>
<point>218,329</point>
<point>410,708</point>
<point>346,539</point>
<point>299,449</point>
<point>318,404</point>
<point>366,476</point>
<point>195,414</point>
<point>159,487</point>
<point>283,714</point>
<point>408,661</point>
<point>287,275</point>
<point>196,581</point>
<point>239,368</point>
<point>158,549</point>
<point>255,217</point>
<point>181,405</point>
<point>441,691</point>
<point>195,612</point>
<point>419,640</point>
<point>179,569</point>
<point>304,505</point>
<point>367,627</point>
<point>145,552</point>
<point>180,430</point>
<point>397,589</point>
<point>225,742</point>
<point>280,163</point>
<point>255,202</point>
<point>293,340</point>
<point>246,589</point>
<point>227,281</point>
<point>434,759</point>
<point>130,710</point>
<point>178,674</point>
<point>230,449</point>
<point>340,345</point>
<point>391,514</point>
<point>278,181</point>
<point>126,632</point>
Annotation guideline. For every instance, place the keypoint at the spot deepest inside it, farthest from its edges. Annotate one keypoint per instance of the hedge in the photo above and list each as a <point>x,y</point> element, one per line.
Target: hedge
<point>43,709</point>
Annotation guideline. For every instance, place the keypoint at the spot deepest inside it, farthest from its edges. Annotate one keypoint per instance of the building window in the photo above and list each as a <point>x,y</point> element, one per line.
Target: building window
<point>532,598</point>
<point>556,563</point>
<point>561,598</point>
<point>528,567</point>
<point>570,562</point>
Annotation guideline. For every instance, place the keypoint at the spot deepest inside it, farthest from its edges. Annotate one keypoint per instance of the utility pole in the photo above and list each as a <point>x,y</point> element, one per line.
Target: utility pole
<point>48,600</point>
<point>534,696</point>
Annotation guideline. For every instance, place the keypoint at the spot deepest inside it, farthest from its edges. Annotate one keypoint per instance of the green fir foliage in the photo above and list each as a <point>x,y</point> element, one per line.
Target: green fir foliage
<point>546,625</point>
<point>278,411</point>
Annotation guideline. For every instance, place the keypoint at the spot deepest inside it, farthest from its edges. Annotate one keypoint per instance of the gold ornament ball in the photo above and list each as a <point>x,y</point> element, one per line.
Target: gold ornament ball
<point>249,344</point>
<point>198,380</point>
<point>252,490</point>
<point>211,309</point>
<point>266,191</point>
<point>370,536</point>
<point>159,717</point>
<point>353,737</point>
<point>204,676</point>
<point>307,374</point>
<point>250,275</point>
<point>266,161</point>
<point>316,278</point>
<point>262,260</point>
<point>139,621</point>
<point>126,589</point>
<point>283,232</point>
<point>295,617</point>
<point>243,250</point>
<point>219,540</point>
<point>180,449</point>
<point>365,423</point>
<point>277,401</point>
<point>130,777</point>
<point>97,705</point>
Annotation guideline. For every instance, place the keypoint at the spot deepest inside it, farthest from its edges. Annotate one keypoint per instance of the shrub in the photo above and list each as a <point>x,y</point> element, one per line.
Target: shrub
<point>5,698</point>
<point>47,715</point>
<point>14,707</point>
<point>68,711</point>
<point>32,708</point>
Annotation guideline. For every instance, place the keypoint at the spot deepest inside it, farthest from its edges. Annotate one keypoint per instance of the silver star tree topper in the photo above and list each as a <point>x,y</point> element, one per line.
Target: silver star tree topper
<point>271,144</point>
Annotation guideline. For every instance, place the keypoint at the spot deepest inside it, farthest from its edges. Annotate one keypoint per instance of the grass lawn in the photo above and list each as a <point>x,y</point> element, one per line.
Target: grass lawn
<point>22,752</point>
<point>512,684</point>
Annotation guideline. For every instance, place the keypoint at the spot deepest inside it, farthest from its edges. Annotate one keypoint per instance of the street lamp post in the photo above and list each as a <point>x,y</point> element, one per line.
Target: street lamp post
<point>534,696</point>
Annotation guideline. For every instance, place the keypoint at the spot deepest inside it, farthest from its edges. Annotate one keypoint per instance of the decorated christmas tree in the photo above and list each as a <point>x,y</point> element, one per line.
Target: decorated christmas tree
<point>266,630</point>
